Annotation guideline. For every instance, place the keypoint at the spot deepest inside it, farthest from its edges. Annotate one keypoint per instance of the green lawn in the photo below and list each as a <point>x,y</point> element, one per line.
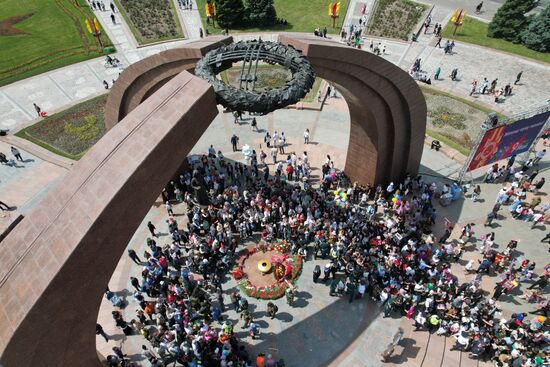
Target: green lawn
<point>454,137</point>
<point>448,141</point>
<point>70,133</point>
<point>52,35</point>
<point>301,15</point>
<point>475,31</point>
<point>429,90</point>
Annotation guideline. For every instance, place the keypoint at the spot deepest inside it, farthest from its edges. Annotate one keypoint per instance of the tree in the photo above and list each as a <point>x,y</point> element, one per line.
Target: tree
<point>509,21</point>
<point>230,13</point>
<point>261,12</point>
<point>537,34</point>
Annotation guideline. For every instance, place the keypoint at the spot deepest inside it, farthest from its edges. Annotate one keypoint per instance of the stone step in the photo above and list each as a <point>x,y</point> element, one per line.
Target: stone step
<point>451,358</point>
<point>422,349</point>
<point>466,361</point>
<point>411,349</point>
<point>435,352</point>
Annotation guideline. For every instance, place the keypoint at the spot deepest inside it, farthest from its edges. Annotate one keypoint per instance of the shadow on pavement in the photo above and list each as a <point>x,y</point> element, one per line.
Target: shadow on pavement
<point>406,349</point>
<point>320,338</point>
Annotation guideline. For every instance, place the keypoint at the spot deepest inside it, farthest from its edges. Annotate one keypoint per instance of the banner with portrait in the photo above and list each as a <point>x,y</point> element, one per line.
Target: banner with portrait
<point>504,141</point>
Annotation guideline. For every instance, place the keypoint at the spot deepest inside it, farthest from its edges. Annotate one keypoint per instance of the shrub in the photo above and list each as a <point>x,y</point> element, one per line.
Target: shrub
<point>71,132</point>
<point>395,18</point>
<point>87,130</point>
<point>537,34</point>
<point>261,12</point>
<point>509,20</point>
<point>230,13</point>
<point>153,19</point>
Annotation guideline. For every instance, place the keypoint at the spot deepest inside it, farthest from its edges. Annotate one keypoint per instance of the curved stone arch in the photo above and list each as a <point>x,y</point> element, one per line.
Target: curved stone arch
<point>141,79</point>
<point>402,132</point>
<point>372,121</point>
<point>387,108</point>
<point>56,263</point>
<point>364,144</point>
<point>50,261</point>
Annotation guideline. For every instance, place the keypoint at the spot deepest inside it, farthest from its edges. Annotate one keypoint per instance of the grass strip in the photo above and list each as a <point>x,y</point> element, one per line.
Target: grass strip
<point>475,31</point>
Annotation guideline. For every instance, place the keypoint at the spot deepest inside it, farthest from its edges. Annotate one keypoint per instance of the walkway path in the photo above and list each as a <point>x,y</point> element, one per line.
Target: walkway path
<point>57,89</point>
<point>119,32</point>
<point>487,12</point>
<point>190,19</point>
<point>356,10</point>
<point>474,62</point>
<point>24,185</point>
<point>60,88</point>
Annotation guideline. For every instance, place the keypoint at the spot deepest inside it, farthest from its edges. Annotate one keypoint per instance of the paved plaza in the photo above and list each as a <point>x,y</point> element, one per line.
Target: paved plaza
<point>319,330</point>
<point>346,334</point>
<point>328,331</point>
<point>22,186</point>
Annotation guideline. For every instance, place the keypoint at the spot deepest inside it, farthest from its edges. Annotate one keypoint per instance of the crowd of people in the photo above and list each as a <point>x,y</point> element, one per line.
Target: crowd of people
<point>378,241</point>
<point>516,182</point>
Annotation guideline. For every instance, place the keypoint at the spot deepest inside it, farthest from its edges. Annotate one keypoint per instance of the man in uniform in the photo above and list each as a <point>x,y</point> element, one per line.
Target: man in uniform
<point>246,317</point>
<point>271,310</point>
<point>290,293</point>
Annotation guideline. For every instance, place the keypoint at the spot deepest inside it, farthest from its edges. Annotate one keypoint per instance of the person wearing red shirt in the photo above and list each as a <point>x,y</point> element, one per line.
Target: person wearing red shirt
<point>289,172</point>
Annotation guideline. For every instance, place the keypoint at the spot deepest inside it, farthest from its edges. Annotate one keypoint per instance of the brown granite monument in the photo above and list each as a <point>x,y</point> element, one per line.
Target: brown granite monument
<point>56,263</point>
<point>387,108</point>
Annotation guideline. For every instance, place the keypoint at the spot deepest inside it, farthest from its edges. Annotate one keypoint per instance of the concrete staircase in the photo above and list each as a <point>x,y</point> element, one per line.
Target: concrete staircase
<point>422,349</point>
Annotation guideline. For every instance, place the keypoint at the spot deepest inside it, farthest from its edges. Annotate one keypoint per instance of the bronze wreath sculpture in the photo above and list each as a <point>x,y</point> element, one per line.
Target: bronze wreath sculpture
<point>253,52</point>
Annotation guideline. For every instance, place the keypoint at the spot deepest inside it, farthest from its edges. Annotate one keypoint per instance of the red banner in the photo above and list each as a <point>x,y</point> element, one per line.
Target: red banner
<point>488,148</point>
<point>504,141</point>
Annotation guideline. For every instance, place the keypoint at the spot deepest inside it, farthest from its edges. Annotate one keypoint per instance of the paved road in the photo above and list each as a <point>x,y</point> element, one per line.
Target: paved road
<point>487,11</point>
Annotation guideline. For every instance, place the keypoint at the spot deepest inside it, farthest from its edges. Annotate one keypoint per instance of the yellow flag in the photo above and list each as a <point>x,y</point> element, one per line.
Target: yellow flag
<point>88,26</point>
<point>338,9</point>
<point>210,9</point>
<point>96,25</point>
<point>453,17</point>
<point>329,9</point>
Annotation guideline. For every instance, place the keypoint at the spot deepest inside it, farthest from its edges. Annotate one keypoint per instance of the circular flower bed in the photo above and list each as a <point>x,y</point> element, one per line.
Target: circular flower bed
<point>276,289</point>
